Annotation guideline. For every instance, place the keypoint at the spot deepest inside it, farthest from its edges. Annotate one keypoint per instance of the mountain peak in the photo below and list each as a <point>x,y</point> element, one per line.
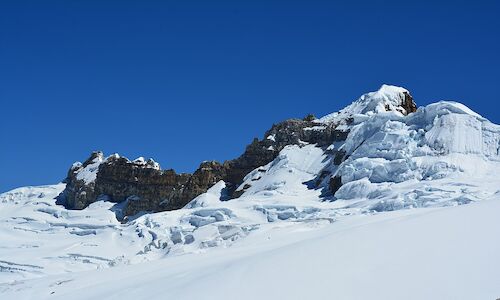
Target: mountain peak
<point>386,98</point>
<point>378,139</point>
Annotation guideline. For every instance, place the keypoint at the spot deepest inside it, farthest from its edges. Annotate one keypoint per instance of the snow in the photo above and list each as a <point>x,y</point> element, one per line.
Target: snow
<point>387,96</point>
<point>150,163</point>
<point>447,107</point>
<point>287,173</point>
<point>89,173</point>
<point>272,137</point>
<point>411,254</point>
<point>388,152</point>
<point>456,133</point>
<point>315,128</point>
<point>139,160</point>
<point>415,218</point>
<point>210,198</point>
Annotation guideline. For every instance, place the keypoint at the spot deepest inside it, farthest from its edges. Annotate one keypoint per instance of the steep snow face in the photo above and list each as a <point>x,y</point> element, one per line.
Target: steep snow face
<point>444,139</point>
<point>437,129</point>
<point>88,173</point>
<point>456,133</point>
<point>210,198</point>
<point>458,129</point>
<point>288,173</point>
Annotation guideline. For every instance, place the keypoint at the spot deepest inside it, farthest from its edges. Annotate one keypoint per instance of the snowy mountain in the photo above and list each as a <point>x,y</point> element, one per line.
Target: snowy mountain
<point>362,203</point>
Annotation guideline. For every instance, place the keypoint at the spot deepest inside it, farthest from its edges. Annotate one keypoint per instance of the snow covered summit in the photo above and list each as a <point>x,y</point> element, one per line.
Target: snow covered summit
<point>387,98</point>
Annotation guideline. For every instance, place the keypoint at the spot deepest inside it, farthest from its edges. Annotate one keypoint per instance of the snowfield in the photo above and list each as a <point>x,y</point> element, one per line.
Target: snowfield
<point>416,217</point>
<point>431,253</point>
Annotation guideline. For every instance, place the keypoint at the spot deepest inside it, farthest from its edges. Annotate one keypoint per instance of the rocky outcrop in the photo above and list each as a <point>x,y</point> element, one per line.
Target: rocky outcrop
<point>335,184</point>
<point>163,190</point>
<point>408,104</point>
<point>79,192</point>
<point>145,187</point>
<point>262,152</point>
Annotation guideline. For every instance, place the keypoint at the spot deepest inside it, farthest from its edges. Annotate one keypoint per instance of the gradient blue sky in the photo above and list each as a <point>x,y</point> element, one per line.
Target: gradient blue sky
<point>184,81</point>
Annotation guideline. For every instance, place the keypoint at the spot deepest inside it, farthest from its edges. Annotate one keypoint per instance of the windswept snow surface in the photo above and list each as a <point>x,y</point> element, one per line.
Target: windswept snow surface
<point>396,229</point>
<point>436,253</point>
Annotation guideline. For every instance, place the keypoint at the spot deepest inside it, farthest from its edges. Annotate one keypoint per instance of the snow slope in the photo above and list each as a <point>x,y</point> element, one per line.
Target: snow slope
<point>445,253</point>
<point>395,229</point>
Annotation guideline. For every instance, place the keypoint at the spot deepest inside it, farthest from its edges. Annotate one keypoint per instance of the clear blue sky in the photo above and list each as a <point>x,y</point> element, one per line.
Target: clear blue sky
<point>184,81</point>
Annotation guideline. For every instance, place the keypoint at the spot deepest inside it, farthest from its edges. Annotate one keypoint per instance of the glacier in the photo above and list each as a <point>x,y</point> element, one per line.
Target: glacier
<point>396,227</point>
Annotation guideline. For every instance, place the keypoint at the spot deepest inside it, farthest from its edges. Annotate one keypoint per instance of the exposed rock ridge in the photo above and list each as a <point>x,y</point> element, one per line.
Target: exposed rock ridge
<point>145,187</point>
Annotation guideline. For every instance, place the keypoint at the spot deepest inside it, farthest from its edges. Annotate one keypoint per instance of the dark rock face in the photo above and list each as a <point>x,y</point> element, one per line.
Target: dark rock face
<point>262,152</point>
<point>147,188</point>
<point>335,184</point>
<point>408,104</point>
<point>78,193</point>
<point>159,190</point>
